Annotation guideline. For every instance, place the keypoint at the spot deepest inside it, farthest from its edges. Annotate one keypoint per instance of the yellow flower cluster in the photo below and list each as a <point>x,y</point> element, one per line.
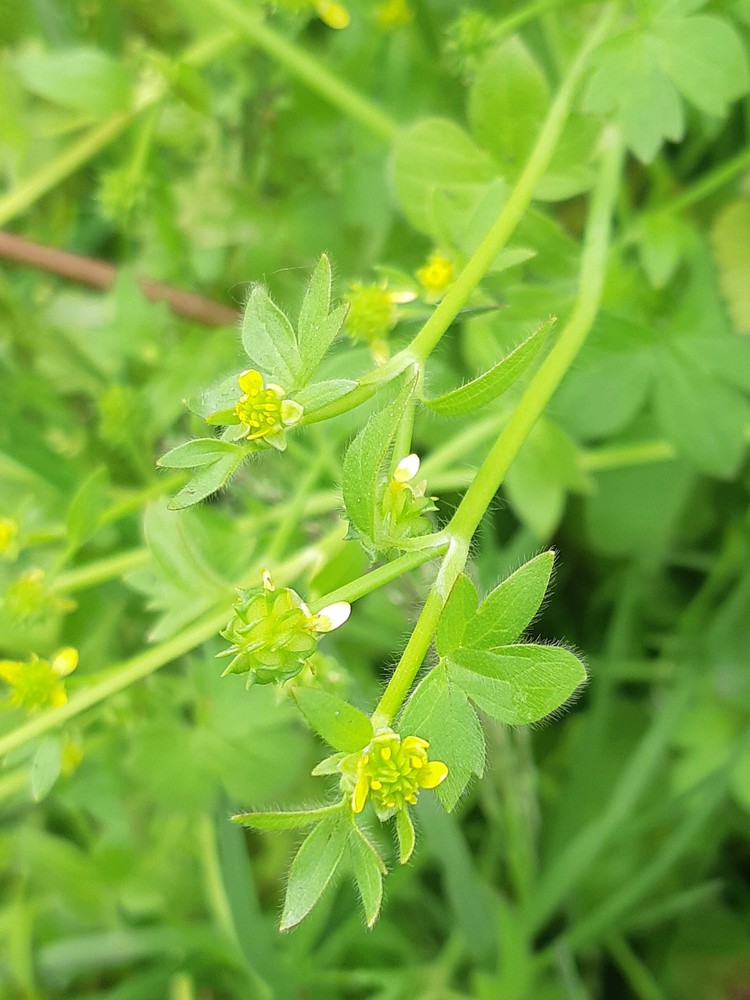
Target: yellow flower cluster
<point>39,683</point>
<point>391,771</point>
<point>436,274</point>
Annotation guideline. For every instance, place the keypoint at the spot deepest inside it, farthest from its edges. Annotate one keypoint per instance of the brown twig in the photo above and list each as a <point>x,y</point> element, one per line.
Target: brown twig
<point>99,274</point>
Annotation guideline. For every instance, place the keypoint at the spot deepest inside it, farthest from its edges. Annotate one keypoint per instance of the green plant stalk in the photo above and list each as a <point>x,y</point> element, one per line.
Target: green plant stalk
<point>306,68</point>
<point>122,675</point>
<point>639,977</point>
<point>379,577</point>
<point>530,407</point>
<point>25,194</point>
<point>520,198</point>
<point>100,571</point>
<point>212,880</point>
<point>710,182</point>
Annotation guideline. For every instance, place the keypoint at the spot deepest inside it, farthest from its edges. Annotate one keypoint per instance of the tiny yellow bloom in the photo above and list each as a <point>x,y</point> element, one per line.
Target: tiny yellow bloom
<point>335,15</point>
<point>391,771</point>
<point>264,410</point>
<point>8,534</point>
<point>38,684</point>
<point>393,14</point>
<point>436,274</point>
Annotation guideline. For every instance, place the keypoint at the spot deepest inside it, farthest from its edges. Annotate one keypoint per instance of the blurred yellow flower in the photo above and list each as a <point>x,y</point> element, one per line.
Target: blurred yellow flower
<point>38,684</point>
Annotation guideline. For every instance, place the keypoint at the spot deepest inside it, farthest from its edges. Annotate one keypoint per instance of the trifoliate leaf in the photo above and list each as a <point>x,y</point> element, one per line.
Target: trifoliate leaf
<point>462,603</point>
<point>510,608</point>
<point>517,685</point>
<point>318,326</point>
<point>439,712</point>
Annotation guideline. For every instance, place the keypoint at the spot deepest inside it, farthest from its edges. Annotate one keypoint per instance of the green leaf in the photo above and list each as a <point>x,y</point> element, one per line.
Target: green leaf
<point>268,339</point>
<point>46,765</point>
<point>705,59</point>
<point>435,155</point>
<point>439,712</point>
<point>219,398</point>
<point>661,242</point>
<point>407,837</point>
<point>319,394</point>
<point>518,685</point>
<point>629,81</point>
<point>364,460</point>
<point>202,451</point>
<point>313,868</point>
<point>318,326</point>
<point>704,418</point>
<point>510,608</point>
<point>508,103</point>
<point>84,79</point>
<point>284,819</point>
<point>496,381</point>
<point>339,723</point>
<point>87,507</point>
<point>462,603</point>
<point>546,468</point>
<point>210,479</point>
<point>368,869</point>
<point>730,238</point>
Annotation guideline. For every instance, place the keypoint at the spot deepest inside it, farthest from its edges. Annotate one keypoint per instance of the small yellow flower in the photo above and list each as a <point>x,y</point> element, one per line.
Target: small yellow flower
<point>391,771</point>
<point>38,684</point>
<point>436,274</point>
<point>29,598</point>
<point>335,15</point>
<point>263,410</point>
<point>393,14</point>
<point>8,535</point>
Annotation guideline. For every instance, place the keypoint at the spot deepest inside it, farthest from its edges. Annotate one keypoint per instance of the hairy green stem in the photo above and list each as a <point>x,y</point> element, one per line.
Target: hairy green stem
<point>306,68</point>
<point>379,577</point>
<point>530,407</point>
<point>100,571</point>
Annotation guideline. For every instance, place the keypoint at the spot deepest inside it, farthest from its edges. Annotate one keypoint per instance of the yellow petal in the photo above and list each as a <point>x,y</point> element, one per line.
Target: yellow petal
<point>432,774</point>
<point>65,661</point>
<point>251,382</point>
<point>415,743</point>
<point>59,696</point>
<point>10,671</point>
<point>359,795</point>
<point>335,15</point>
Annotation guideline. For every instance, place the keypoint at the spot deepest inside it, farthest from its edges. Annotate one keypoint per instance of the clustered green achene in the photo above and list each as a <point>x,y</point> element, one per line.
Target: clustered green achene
<point>429,736</point>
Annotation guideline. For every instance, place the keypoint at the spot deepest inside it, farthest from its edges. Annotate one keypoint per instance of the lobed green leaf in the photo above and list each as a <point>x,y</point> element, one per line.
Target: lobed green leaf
<point>368,870</point>
<point>283,819</point>
<point>461,605</point>
<point>201,451</point>
<point>509,609</point>
<point>268,339</point>
<point>520,684</point>
<point>207,481</point>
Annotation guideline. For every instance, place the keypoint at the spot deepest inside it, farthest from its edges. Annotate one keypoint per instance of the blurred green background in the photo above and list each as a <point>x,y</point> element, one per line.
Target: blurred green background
<point>605,854</point>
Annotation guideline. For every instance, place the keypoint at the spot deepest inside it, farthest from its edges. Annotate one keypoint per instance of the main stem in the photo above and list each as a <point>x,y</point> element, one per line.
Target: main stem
<point>529,409</point>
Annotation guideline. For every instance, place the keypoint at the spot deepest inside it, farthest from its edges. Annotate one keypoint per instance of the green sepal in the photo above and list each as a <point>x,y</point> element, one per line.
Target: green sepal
<point>313,868</point>
<point>511,607</point>
<point>406,835</point>
<point>496,381</point>
<point>340,724</point>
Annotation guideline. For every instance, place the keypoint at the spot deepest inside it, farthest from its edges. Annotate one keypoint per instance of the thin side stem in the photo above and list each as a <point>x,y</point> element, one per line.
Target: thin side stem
<point>100,571</point>
<point>306,68</point>
<point>502,229</point>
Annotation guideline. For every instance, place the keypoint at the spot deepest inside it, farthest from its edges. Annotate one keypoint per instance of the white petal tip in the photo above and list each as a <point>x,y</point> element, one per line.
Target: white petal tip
<point>406,469</point>
<point>332,617</point>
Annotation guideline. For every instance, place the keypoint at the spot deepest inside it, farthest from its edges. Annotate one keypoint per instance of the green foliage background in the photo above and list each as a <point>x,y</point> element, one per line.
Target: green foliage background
<point>604,853</point>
